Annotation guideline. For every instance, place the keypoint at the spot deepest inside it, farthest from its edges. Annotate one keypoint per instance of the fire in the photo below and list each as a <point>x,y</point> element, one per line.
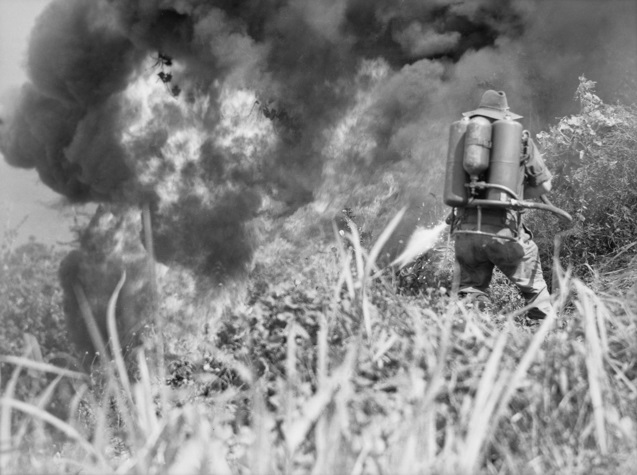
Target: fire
<point>420,242</point>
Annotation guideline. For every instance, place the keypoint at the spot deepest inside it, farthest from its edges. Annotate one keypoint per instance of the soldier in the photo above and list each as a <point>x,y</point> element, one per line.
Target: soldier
<point>496,236</point>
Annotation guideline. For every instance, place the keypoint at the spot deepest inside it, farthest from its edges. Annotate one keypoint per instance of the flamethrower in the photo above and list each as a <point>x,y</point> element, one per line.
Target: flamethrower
<point>497,151</point>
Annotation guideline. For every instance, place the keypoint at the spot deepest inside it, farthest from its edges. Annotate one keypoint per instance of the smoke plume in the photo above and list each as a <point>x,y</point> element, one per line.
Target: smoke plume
<point>228,118</point>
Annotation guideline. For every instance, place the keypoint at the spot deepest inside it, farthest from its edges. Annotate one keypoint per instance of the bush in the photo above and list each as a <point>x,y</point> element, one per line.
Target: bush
<point>592,155</point>
<point>31,316</point>
<point>31,298</point>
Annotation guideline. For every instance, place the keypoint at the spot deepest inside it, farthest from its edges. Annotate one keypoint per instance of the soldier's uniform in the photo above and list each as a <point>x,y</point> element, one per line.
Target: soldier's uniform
<point>518,260</point>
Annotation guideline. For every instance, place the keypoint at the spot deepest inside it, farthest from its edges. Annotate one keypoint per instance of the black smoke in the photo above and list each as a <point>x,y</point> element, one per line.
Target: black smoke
<point>225,115</point>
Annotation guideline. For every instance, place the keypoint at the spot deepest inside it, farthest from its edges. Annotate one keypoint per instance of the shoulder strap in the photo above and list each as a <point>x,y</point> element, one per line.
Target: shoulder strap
<point>526,154</point>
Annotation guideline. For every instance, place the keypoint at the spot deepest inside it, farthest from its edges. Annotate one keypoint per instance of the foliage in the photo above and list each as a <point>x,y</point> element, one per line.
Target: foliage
<point>592,155</point>
<point>346,375</point>
<point>31,314</point>
<point>431,276</point>
<point>30,298</point>
<point>428,273</point>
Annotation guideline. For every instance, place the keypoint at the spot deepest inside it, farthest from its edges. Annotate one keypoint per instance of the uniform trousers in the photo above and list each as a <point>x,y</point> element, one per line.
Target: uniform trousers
<point>519,261</point>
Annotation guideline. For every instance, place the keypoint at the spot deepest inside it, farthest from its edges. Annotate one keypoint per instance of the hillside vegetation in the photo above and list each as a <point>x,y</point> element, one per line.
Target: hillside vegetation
<point>342,367</point>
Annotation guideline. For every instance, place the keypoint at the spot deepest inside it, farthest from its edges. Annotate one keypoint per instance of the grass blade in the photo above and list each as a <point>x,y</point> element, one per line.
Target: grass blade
<point>594,363</point>
<point>43,367</point>
<point>6,441</point>
<point>42,401</point>
<point>62,426</point>
<point>114,339</point>
<point>382,240</point>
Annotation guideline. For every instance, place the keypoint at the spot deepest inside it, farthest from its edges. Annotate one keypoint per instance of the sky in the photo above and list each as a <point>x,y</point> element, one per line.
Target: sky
<point>23,198</point>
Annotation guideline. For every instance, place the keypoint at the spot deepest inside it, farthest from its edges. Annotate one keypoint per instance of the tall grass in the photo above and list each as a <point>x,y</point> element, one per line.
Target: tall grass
<point>413,386</point>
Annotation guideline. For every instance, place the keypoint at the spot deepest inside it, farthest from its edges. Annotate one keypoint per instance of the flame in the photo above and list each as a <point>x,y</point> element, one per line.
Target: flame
<point>421,241</point>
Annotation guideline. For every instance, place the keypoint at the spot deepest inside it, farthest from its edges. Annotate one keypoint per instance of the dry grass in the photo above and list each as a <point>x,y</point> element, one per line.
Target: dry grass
<point>413,385</point>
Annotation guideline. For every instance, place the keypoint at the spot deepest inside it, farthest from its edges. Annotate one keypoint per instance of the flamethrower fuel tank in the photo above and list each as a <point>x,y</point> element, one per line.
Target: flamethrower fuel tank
<point>505,166</point>
<point>477,147</point>
<point>455,193</point>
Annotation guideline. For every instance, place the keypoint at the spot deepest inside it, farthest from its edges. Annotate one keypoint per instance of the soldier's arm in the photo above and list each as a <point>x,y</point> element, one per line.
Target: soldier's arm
<point>531,192</point>
<point>537,175</point>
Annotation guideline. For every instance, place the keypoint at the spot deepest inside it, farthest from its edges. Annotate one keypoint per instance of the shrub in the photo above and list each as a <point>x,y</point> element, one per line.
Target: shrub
<point>31,314</point>
<point>30,299</point>
<point>592,155</point>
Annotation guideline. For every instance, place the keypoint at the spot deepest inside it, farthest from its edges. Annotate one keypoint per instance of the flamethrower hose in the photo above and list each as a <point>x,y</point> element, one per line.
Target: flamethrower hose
<point>562,213</point>
<point>518,204</point>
